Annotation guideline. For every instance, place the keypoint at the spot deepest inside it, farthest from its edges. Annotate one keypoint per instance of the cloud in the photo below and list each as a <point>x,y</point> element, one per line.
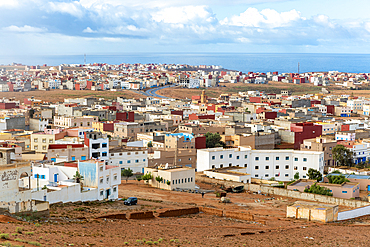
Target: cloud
<point>72,8</point>
<point>24,29</point>
<point>266,18</point>
<point>183,15</point>
<point>89,30</point>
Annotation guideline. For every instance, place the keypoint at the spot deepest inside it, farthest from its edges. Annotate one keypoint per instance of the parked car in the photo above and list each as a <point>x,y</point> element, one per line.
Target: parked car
<point>130,201</point>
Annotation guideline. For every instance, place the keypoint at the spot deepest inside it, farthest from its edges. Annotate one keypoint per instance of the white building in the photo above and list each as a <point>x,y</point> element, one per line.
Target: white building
<point>355,105</point>
<point>100,182</point>
<point>134,158</point>
<point>343,136</point>
<point>263,164</point>
<point>98,145</point>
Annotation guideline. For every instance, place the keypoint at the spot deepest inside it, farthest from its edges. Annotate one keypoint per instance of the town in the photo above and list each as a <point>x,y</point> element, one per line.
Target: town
<point>245,163</point>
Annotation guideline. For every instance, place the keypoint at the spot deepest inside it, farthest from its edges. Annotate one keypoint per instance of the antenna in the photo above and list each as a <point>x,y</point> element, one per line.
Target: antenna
<point>84,59</point>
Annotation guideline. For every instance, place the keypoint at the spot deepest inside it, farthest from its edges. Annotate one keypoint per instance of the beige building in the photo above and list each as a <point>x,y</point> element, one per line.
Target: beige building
<point>125,129</point>
<point>312,211</point>
<point>173,177</point>
<point>320,144</point>
<point>69,122</point>
<point>40,141</point>
<point>67,152</point>
<point>258,141</point>
<point>202,129</point>
<point>185,157</point>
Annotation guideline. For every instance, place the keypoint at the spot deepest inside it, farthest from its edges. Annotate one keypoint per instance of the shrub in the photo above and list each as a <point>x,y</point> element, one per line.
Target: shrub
<point>20,240</point>
<point>37,225</point>
<point>34,243</point>
<point>337,179</point>
<point>19,230</point>
<point>149,242</point>
<point>317,189</point>
<point>7,244</point>
<point>4,236</point>
<point>30,233</point>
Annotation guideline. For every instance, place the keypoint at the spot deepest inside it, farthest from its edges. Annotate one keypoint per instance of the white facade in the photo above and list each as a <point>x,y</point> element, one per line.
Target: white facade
<point>345,137</point>
<point>136,160</point>
<point>355,105</point>
<point>263,164</point>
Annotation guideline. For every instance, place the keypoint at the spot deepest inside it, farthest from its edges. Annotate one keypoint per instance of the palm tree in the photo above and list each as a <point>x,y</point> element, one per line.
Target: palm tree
<point>78,178</point>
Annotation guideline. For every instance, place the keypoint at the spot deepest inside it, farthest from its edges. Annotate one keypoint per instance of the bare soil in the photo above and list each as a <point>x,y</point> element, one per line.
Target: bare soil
<point>77,223</point>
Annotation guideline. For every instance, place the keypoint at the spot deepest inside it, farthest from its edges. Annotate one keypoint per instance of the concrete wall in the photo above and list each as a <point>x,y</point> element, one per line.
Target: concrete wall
<point>287,193</point>
<point>358,212</point>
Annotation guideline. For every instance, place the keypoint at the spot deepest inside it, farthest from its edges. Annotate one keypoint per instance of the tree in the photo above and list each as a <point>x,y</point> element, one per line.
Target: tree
<point>126,173</point>
<point>159,180</point>
<point>147,177</point>
<point>150,144</point>
<point>317,189</point>
<point>342,155</point>
<point>78,177</point>
<point>337,179</point>
<point>314,174</point>
<point>296,176</point>
<point>337,172</point>
<point>214,140</point>
<point>168,182</point>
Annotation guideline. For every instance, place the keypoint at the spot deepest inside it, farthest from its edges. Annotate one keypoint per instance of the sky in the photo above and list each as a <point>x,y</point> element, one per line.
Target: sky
<point>62,27</point>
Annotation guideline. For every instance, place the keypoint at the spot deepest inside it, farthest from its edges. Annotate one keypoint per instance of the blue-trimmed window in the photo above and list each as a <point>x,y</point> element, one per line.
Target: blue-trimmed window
<point>83,157</point>
<point>344,192</point>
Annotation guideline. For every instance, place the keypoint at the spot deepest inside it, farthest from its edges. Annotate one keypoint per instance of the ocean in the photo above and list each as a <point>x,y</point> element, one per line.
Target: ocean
<point>256,62</point>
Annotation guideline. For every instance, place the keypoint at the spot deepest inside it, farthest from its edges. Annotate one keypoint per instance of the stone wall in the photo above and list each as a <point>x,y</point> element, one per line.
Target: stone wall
<point>284,192</point>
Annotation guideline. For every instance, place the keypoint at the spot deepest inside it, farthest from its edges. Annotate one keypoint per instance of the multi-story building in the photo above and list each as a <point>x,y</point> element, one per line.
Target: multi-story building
<point>70,122</point>
<point>264,164</point>
<point>355,105</point>
<point>40,141</point>
<point>320,144</point>
<point>98,145</point>
<point>67,152</point>
<point>134,158</point>
<point>131,129</point>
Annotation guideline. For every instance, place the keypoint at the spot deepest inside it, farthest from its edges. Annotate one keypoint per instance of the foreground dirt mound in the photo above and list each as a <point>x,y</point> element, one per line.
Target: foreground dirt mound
<point>6,219</point>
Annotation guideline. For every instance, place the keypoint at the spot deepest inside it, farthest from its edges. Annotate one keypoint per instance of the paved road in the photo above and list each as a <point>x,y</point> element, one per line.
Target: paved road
<point>153,92</point>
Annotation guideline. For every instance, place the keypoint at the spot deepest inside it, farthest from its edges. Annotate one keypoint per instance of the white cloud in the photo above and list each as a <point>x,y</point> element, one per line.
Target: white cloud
<point>9,3</point>
<point>323,20</point>
<point>72,8</point>
<point>178,15</point>
<point>24,29</point>
<point>266,18</point>
<point>89,30</point>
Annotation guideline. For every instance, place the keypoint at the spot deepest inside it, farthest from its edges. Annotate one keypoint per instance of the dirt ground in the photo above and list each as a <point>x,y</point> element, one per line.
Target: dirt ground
<point>60,95</point>
<point>77,224</point>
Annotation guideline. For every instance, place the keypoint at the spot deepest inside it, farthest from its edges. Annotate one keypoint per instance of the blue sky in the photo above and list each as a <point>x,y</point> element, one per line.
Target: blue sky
<point>64,27</point>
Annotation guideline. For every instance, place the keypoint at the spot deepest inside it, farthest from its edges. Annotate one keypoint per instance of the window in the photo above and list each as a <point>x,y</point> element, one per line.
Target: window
<point>120,162</point>
<point>221,165</point>
<point>295,159</point>
<point>256,176</point>
<point>44,140</point>
<point>221,156</point>
<point>304,168</point>
<point>213,166</point>
<point>101,193</point>
<point>277,158</point>
<point>101,181</point>
<point>304,159</point>
<point>257,158</point>
<point>286,167</point>
<point>73,158</point>
<point>344,192</point>
<point>83,157</point>
<point>115,177</point>
<point>266,175</point>
<point>287,158</point>
<point>267,158</point>
<point>230,164</point>
<point>35,140</point>
<point>277,167</point>
<point>245,156</point>
<point>36,147</point>
<point>101,168</point>
<point>107,179</point>
<point>182,180</point>
<point>136,161</point>
<point>277,175</point>
<point>286,175</point>
<point>230,155</point>
<point>50,140</point>
<point>267,167</point>
<point>256,167</point>
<point>44,147</point>
<point>103,145</point>
<point>237,157</point>
<point>213,157</point>
<point>114,189</point>
<point>245,165</point>
<point>129,161</point>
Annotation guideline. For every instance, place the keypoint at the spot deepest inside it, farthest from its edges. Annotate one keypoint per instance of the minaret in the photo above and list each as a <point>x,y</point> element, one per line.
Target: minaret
<point>203,97</point>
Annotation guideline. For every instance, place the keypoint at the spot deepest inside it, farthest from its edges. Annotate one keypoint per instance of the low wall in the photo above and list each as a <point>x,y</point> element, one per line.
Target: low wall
<point>213,211</point>
<point>113,216</point>
<point>141,215</point>
<point>239,216</point>
<point>358,212</point>
<point>178,212</point>
<point>285,192</point>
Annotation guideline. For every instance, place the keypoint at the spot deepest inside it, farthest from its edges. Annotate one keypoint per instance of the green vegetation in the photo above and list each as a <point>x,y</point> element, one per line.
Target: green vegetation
<point>19,230</point>
<point>126,173</point>
<point>317,189</point>
<point>314,174</point>
<point>34,243</point>
<point>138,178</point>
<point>30,233</point>
<point>337,172</point>
<point>168,182</point>
<point>147,177</point>
<point>342,155</point>
<point>214,140</point>
<point>150,144</point>
<point>4,236</point>
<point>334,179</point>
<point>296,176</point>
<point>78,177</point>
<point>159,179</point>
